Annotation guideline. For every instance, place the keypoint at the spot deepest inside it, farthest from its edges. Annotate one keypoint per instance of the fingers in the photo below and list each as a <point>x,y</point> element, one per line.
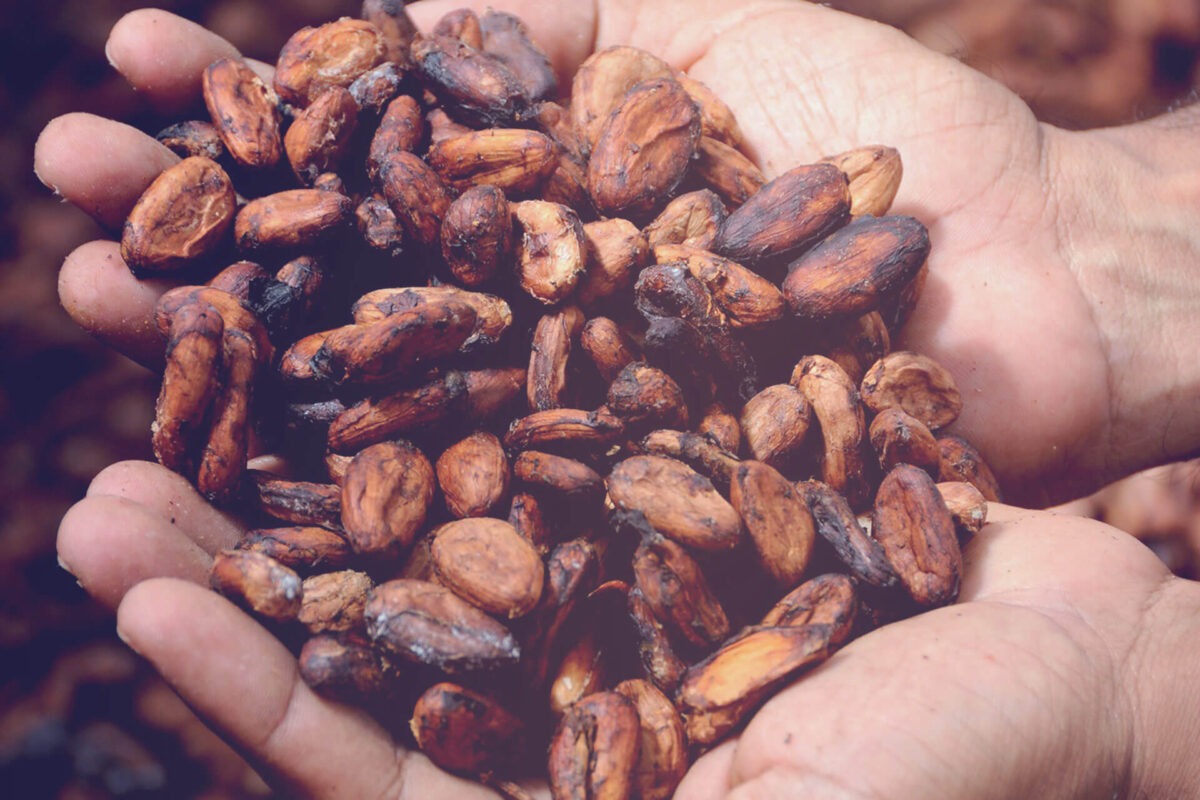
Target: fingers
<point>100,293</point>
<point>163,56</point>
<point>238,677</point>
<point>99,165</point>
<point>110,544</point>
<point>170,496</point>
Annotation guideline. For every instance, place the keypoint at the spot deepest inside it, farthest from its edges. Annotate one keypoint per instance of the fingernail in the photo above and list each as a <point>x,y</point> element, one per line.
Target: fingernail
<point>62,563</point>
<point>112,62</point>
<point>129,644</point>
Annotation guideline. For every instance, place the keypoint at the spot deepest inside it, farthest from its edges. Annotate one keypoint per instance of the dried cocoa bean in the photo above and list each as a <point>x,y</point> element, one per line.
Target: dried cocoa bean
<point>550,350</point>
<point>513,159</point>
<point>487,562</point>
<point>303,548</point>
<point>902,439</point>
<point>477,235</point>
<point>385,497</point>
<point>676,501</point>
<point>473,474</point>
<point>245,112</point>
<point>961,461</point>
<point>778,520</point>
<point>662,754</point>
<point>317,139</point>
<point>775,422</point>
<point>428,624</point>
<point>914,383</point>
<point>874,172</point>
<point>334,54</point>
<point>594,750</point>
<point>915,529</point>
<point>676,590</point>
<point>608,347</point>
<point>258,583</point>
<point>466,731</point>
<point>334,601</point>
<point>824,600</point>
<point>550,250</point>
<point>294,218</point>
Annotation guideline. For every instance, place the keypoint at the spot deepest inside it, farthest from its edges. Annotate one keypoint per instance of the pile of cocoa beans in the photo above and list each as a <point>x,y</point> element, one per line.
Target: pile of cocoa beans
<point>594,438</point>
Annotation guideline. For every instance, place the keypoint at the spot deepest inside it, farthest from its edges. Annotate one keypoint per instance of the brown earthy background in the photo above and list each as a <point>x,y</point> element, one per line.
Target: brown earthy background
<point>81,716</point>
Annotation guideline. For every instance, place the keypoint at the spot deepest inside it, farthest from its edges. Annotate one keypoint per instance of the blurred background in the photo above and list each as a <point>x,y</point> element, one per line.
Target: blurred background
<point>80,716</point>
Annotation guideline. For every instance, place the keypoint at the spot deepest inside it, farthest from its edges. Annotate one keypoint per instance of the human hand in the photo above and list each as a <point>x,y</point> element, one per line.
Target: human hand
<point>997,189</point>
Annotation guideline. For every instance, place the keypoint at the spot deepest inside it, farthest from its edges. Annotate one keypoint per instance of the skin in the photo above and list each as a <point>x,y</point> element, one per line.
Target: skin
<point>1057,298</point>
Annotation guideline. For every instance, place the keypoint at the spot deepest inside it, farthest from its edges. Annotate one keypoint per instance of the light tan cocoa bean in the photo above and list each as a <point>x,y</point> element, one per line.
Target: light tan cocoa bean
<point>550,352</point>
<point>775,422</point>
<point>486,561</point>
<point>416,194</point>
<point>334,601</point>
<point>506,39</point>
<point>835,402</point>
<point>824,600</point>
<point>967,506</point>
<point>183,215</point>
<point>473,86</point>
<point>425,623</point>
<point>559,474</point>
<point>385,497</point>
<point>244,111</point>
<point>645,396</point>
<point>644,149</point>
<point>874,172</point>
<point>402,127</point>
<point>837,524</point>
<point>676,501</point>
<point>616,250</point>
<point>676,590</point>
<point>516,160</point>
<point>915,529</point>
<point>724,169</point>
<point>787,215</point>
<point>292,218</point>
<point>466,731</point>
<point>961,461</point>
<point>915,383</point>
<point>691,219</point>
<point>594,750</point>
<point>856,268</point>
<point>721,691</point>
<point>902,439</point>
<point>662,755</point>
<point>473,474</point>
<point>601,82</point>
<point>258,583</point>
<point>334,54</point>
<point>778,521</point>
<point>303,548</point>
<point>550,249</point>
<point>477,235</point>
<point>317,139</point>
<point>193,137</point>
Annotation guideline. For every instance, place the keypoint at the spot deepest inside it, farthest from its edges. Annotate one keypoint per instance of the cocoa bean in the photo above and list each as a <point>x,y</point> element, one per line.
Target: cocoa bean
<point>303,548</point>
<point>334,601</point>
<point>914,383</point>
<point>676,501</point>
<point>473,474</point>
<point>477,235</point>
<point>385,497</point>
<point>487,562</point>
<point>258,583</point>
<point>245,112</point>
<point>466,731</point>
<point>915,529</point>
<point>594,750</point>
<point>334,54</point>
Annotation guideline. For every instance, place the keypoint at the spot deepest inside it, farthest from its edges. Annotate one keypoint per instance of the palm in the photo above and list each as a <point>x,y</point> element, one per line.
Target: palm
<point>1002,309</point>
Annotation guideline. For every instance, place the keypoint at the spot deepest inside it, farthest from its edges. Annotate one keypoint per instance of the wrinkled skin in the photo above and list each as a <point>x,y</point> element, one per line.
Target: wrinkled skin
<point>1056,298</point>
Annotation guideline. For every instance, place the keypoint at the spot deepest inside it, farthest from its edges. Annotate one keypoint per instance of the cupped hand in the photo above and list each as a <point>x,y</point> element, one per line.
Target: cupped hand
<point>1022,305</point>
<point>1067,670</point>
